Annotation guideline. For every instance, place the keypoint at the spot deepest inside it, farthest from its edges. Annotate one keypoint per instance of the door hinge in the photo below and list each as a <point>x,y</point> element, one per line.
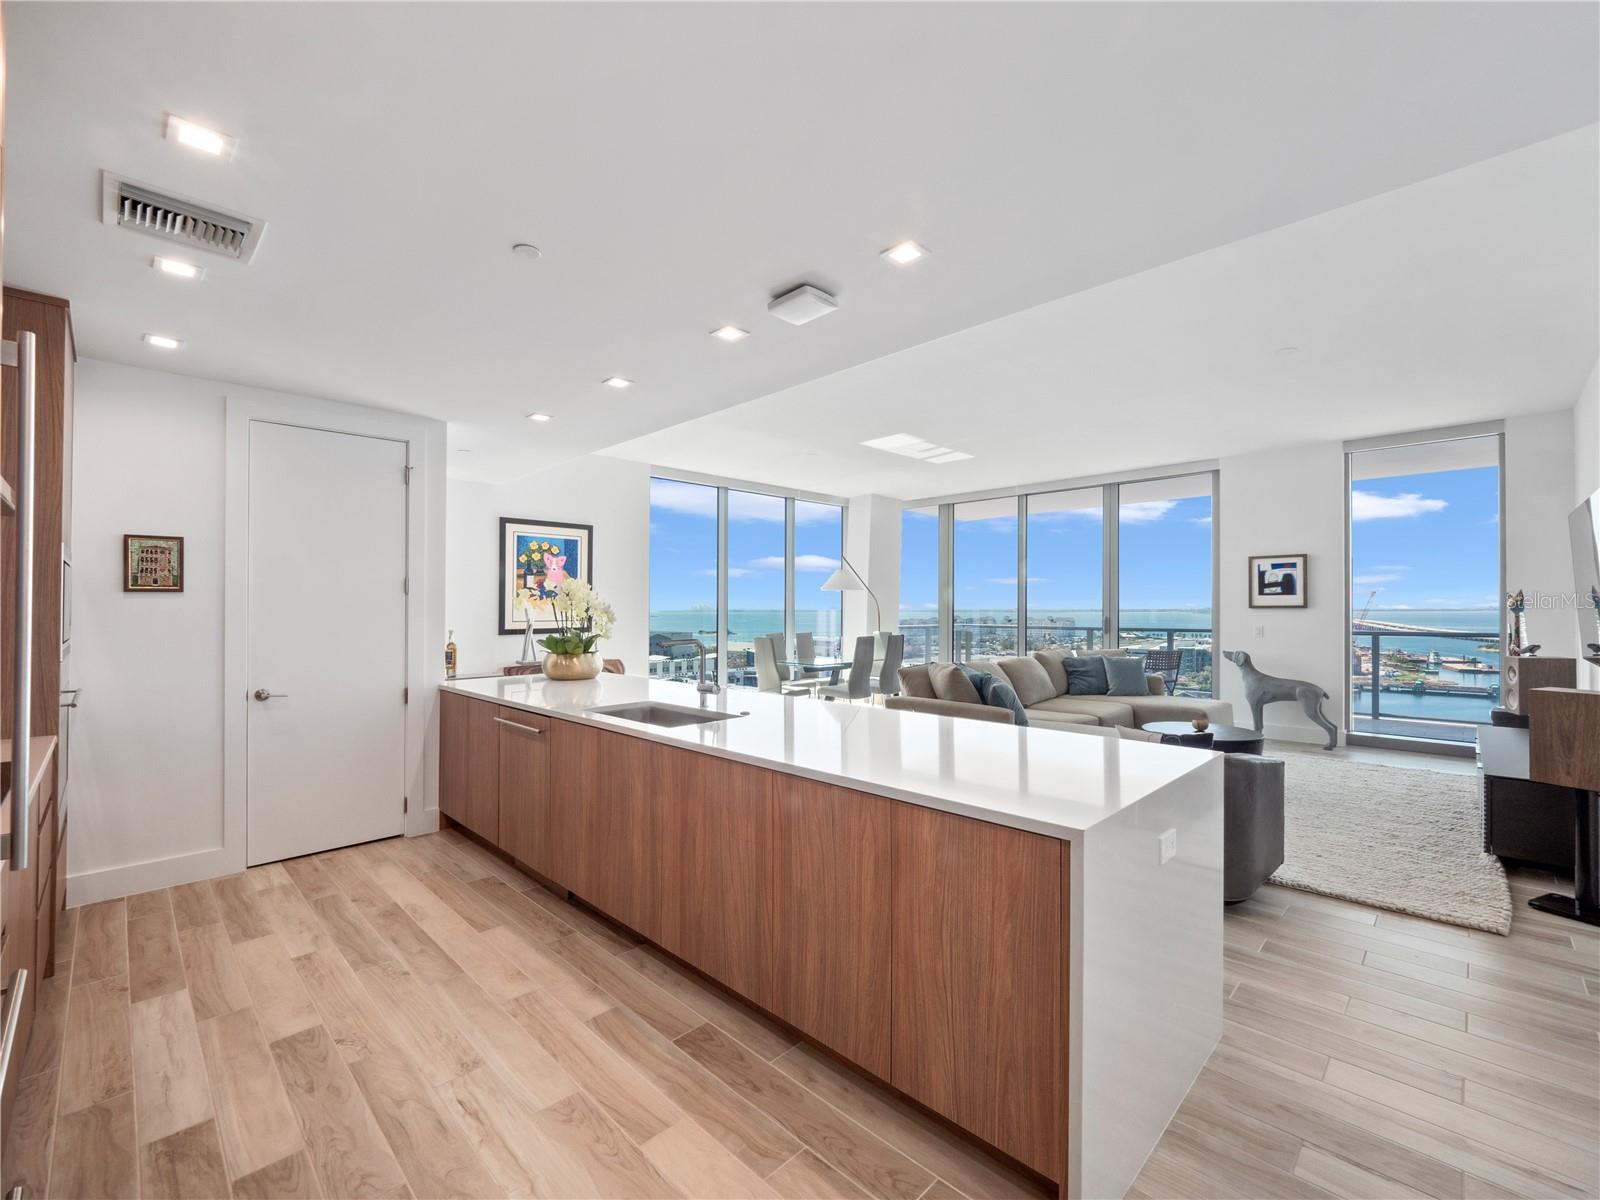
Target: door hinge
<point>405,804</point>
<point>405,695</point>
<point>406,471</point>
<point>405,585</point>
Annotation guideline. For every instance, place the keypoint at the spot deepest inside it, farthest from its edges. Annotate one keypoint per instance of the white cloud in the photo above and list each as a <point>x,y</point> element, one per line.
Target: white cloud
<point>802,562</point>
<point>1206,520</point>
<point>1012,581</point>
<point>1143,512</point>
<point>690,499</point>
<point>1369,506</point>
<point>1373,580</point>
<point>735,572</point>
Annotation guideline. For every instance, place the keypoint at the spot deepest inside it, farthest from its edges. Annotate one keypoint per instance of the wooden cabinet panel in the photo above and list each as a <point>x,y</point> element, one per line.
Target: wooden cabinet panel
<point>979,976</point>
<point>603,820</point>
<point>716,845</point>
<point>831,881</point>
<point>524,788</point>
<point>469,764</point>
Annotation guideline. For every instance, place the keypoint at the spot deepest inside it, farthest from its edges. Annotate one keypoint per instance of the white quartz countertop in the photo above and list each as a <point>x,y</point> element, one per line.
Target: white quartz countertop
<point>1042,780</point>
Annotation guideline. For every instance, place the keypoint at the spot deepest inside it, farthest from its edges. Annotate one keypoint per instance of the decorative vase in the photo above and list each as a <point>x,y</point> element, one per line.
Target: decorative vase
<point>571,666</point>
<point>1201,724</point>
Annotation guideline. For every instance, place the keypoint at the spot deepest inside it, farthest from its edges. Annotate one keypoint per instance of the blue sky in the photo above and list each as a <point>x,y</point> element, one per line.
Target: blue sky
<point>683,549</point>
<point>1427,541</point>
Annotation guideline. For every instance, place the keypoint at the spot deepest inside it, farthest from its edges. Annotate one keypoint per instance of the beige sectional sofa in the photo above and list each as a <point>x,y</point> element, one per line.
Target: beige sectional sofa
<point>1040,682</point>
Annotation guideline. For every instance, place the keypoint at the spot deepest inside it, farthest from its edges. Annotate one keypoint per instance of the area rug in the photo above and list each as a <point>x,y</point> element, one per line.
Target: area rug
<point>1405,839</point>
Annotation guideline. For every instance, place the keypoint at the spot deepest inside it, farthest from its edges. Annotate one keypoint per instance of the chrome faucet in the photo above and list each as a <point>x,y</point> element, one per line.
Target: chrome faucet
<point>706,687</point>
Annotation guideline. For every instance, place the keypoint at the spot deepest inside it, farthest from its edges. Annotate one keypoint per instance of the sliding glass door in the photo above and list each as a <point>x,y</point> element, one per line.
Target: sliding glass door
<point>818,547</point>
<point>919,583</point>
<point>1164,571</point>
<point>683,575</point>
<point>1425,611</point>
<point>755,578</point>
<point>984,571</point>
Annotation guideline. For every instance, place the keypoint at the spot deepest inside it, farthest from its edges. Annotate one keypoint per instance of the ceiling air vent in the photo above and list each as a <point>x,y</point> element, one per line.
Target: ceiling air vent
<point>140,207</point>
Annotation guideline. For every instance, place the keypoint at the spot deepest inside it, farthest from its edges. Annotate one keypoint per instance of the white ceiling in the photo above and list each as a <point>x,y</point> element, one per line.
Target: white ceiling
<point>679,163</point>
<point>1469,297</point>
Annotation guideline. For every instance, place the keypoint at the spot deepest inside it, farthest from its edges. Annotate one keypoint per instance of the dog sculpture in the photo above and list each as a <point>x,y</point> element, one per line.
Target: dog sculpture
<point>1261,689</point>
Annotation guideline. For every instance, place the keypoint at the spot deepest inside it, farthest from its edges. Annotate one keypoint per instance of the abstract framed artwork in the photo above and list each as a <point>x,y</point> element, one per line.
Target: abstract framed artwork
<point>535,556</point>
<point>152,563</point>
<point>1278,581</point>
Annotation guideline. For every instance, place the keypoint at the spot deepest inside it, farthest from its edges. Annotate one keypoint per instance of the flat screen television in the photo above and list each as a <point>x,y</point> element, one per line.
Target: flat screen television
<point>1584,525</point>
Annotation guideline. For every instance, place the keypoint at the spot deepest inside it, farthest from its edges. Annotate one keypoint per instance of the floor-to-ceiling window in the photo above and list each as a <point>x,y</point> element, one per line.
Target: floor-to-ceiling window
<point>683,574</point>
<point>1066,569</point>
<point>919,583</point>
<point>1144,582</point>
<point>1425,612</point>
<point>984,577</point>
<point>818,545</point>
<point>755,578</point>
<point>775,553</point>
<point>1164,574</point>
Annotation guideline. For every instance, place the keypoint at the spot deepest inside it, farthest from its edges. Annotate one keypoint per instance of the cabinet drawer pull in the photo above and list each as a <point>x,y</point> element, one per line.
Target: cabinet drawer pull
<point>518,726</point>
<point>13,994</point>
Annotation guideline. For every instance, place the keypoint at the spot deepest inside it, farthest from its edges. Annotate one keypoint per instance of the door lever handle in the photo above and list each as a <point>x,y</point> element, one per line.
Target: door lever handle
<point>264,694</point>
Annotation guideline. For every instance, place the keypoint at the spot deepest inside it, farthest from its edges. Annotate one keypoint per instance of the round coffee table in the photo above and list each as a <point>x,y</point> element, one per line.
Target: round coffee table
<point>1229,739</point>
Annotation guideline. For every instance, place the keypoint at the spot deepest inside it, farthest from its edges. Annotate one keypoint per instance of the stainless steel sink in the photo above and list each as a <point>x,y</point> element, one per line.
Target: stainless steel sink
<point>666,716</point>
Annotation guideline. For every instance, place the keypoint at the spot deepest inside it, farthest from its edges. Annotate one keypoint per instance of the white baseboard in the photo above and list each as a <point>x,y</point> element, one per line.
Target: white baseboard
<point>109,883</point>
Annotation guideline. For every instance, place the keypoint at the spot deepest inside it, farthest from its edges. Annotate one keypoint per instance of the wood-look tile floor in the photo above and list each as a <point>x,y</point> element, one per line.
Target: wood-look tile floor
<point>413,1018</point>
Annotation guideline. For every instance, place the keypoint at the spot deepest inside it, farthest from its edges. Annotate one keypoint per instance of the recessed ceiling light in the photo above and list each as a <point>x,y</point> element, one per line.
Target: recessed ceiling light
<point>905,252</point>
<point>618,382</point>
<point>1288,349</point>
<point>730,333</point>
<point>949,456</point>
<point>198,137</point>
<point>538,416</point>
<point>161,341</point>
<point>527,250</point>
<point>173,266</point>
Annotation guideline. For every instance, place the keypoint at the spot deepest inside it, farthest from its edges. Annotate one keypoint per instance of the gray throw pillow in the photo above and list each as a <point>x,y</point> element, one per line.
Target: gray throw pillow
<point>950,682</point>
<point>1085,676</point>
<point>1125,677</point>
<point>994,691</point>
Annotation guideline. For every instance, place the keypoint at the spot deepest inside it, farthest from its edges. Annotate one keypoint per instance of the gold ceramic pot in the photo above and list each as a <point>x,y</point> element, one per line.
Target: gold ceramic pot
<point>571,666</point>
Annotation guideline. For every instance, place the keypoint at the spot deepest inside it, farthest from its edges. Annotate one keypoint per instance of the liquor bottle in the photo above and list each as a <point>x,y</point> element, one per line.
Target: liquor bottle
<point>450,656</point>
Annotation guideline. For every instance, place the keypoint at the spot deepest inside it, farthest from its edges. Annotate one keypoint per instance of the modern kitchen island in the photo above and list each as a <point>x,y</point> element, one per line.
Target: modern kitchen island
<point>1019,929</point>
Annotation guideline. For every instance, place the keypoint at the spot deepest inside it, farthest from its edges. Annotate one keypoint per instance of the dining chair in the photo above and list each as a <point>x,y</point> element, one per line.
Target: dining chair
<point>771,675</point>
<point>886,671</point>
<point>858,684</point>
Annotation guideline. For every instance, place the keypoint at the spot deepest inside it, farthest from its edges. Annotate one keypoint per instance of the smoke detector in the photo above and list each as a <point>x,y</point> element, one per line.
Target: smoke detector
<point>804,303</point>
<point>145,209</point>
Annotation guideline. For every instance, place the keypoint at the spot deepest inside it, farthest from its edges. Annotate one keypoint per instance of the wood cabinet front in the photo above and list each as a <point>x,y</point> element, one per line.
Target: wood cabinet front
<point>524,832</point>
<point>979,978</point>
<point>469,764</point>
<point>831,897</point>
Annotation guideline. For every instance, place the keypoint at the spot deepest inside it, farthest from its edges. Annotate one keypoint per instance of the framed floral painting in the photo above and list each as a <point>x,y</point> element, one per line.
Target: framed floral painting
<point>535,556</point>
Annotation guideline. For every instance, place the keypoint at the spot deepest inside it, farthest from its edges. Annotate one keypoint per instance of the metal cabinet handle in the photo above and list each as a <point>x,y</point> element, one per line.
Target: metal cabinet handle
<point>21,851</point>
<point>264,694</point>
<point>518,726</point>
<point>74,693</point>
<point>13,994</point>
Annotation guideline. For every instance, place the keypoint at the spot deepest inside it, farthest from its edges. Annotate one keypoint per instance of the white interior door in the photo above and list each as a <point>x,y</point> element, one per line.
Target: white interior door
<point>327,667</point>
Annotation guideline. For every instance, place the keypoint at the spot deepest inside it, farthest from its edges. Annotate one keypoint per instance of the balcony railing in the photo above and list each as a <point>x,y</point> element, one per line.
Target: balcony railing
<point>1419,691</point>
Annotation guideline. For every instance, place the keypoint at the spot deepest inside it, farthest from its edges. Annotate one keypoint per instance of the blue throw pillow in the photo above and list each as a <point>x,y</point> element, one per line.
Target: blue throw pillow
<point>1086,676</point>
<point>1125,677</point>
<point>995,691</point>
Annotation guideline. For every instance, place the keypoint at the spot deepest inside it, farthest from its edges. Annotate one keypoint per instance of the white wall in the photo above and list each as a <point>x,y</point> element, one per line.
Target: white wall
<point>1287,501</point>
<point>149,791</point>
<point>872,544</point>
<point>1538,486</point>
<point>612,494</point>
<point>1292,501</point>
<point>1586,479</point>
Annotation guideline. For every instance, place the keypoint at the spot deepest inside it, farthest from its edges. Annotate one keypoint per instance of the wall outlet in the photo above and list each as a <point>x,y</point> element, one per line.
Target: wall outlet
<point>1169,846</point>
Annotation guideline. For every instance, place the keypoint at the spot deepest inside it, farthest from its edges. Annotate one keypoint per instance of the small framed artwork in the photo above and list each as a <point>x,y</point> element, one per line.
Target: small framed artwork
<point>151,563</point>
<point>535,557</point>
<point>1278,581</point>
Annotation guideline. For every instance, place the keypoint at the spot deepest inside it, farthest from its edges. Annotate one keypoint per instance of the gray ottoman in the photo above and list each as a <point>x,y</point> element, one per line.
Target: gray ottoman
<point>1252,823</point>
